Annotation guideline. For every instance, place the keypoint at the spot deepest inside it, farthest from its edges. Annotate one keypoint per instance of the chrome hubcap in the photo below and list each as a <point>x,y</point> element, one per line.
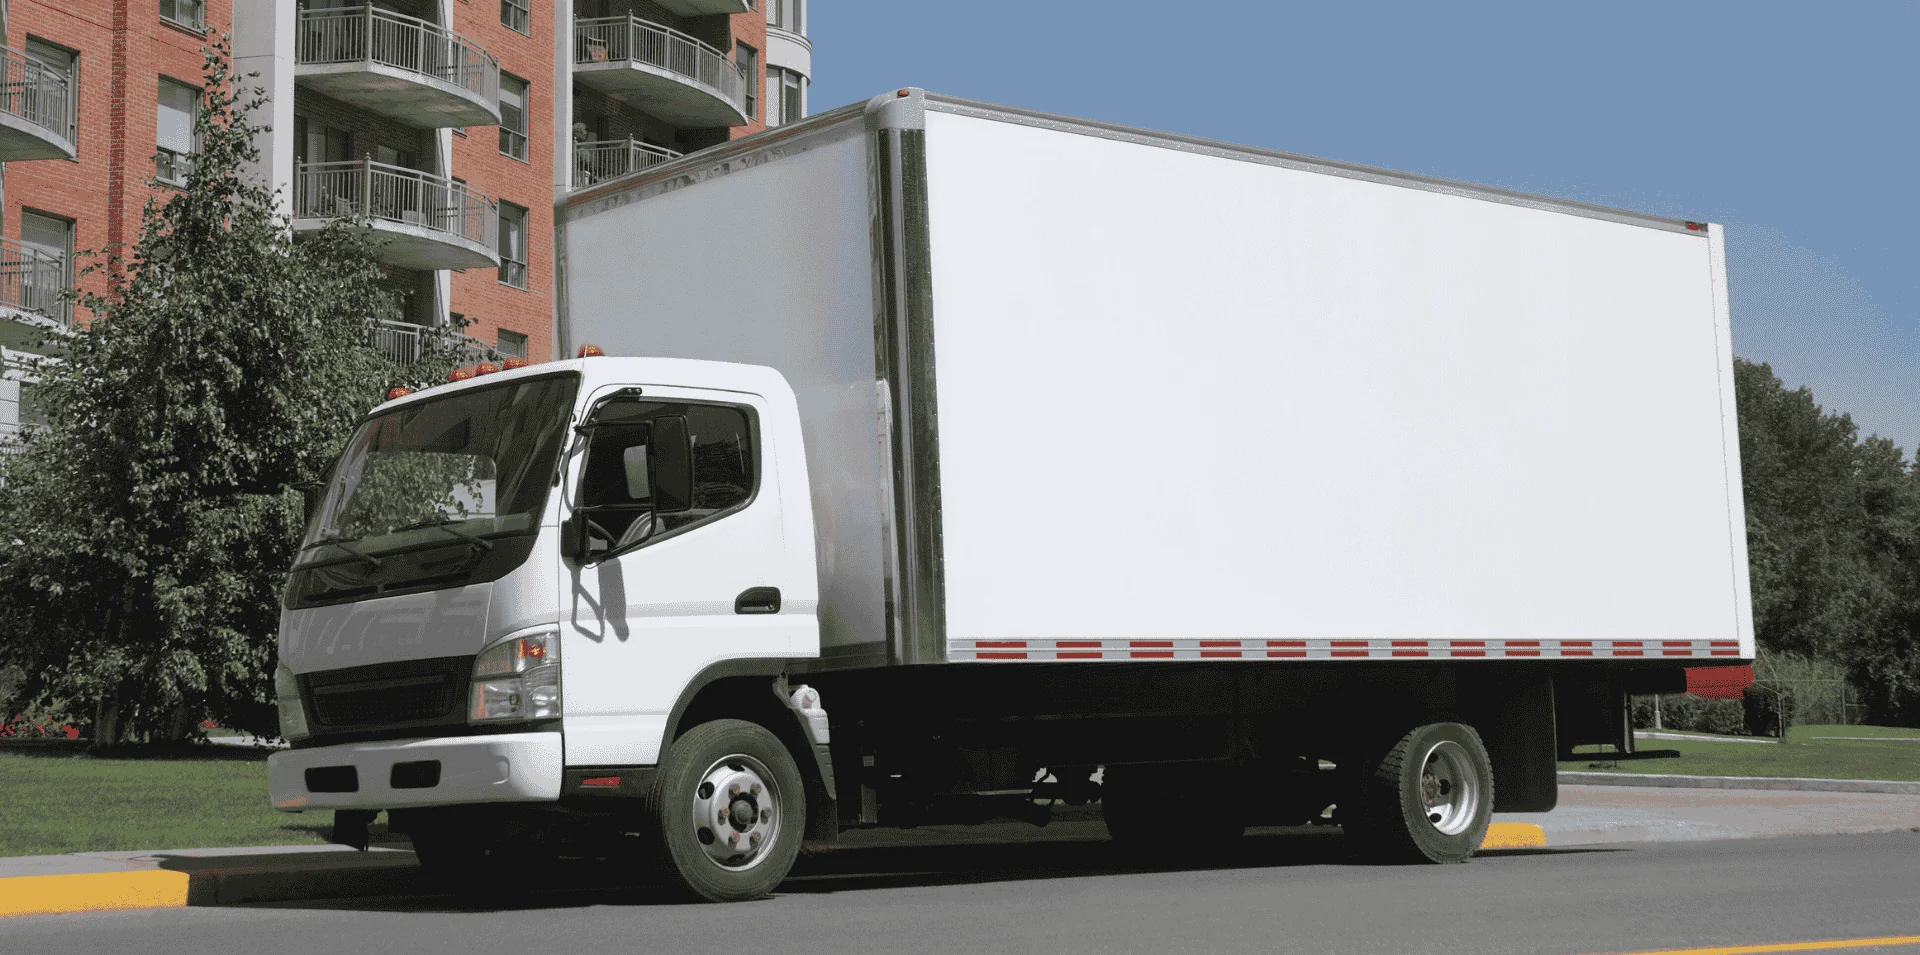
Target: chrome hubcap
<point>735,815</point>
<point>1449,788</point>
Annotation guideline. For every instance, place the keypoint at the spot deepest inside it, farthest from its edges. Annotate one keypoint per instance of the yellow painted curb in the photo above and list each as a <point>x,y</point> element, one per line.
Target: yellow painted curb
<point>92,892</point>
<point>1514,835</point>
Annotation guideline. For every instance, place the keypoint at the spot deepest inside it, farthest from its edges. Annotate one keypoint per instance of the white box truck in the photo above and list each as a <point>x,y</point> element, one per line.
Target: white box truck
<point>934,460</point>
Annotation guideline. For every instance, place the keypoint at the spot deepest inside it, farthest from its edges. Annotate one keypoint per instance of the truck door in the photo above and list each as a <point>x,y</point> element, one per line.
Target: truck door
<point>672,561</point>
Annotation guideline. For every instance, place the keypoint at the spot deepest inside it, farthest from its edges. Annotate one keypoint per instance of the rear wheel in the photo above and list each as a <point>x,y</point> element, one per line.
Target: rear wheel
<point>1428,799</point>
<point>1179,808</point>
<point>731,809</point>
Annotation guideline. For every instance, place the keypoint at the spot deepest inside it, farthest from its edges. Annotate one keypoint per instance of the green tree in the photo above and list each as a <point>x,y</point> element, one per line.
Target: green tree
<point>145,533</point>
<point>1833,533</point>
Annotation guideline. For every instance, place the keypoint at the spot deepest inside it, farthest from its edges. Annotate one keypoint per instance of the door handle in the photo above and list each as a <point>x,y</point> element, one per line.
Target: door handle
<point>757,600</point>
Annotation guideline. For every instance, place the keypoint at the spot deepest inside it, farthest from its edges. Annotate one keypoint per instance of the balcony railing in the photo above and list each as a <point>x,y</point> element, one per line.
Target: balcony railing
<point>631,39</point>
<point>367,34</point>
<point>38,94</point>
<point>398,342</point>
<point>32,281</point>
<point>334,190</point>
<point>599,161</point>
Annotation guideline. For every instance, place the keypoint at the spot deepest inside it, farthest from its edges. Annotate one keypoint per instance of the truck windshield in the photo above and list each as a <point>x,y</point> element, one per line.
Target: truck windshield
<point>452,473</point>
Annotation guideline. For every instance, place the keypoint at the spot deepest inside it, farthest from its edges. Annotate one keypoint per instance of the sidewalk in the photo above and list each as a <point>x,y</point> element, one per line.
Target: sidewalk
<point>97,881</point>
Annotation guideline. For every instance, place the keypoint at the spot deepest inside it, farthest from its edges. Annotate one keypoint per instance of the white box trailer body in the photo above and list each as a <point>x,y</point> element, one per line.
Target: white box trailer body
<point>1079,392</point>
<point>1055,461</point>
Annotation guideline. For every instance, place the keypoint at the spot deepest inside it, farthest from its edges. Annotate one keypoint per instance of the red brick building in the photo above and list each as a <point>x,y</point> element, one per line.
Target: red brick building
<point>452,125</point>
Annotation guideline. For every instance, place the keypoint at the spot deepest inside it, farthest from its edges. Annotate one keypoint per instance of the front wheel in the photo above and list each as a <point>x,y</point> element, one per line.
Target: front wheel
<point>1428,799</point>
<point>731,808</point>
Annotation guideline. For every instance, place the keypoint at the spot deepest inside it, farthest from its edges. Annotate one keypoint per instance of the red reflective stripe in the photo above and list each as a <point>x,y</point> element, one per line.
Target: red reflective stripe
<point>1724,643</point>
<point>1348,643</point>
<point>1467,653</point>
<point>1409,653</point>
<point>1078,655</point>
<point>1726,653</point>
<point>1152,654</point>
<point>1626,643</point>
<point>1001,656</point>
<point>1576,643</point>
<point>1349,653</point>
<point>1219,653</point>
<point>1523,643</point>
<point>601,782</point>
<point>1576,653</point>
<point>1676,643</point>
<point>1001,644</point>
<point>1220,643</point>
<point>1523,653</point>
<point>1466,643</point>
<point>1676,653</point>
<point>1286,653</point>
<point>1286,643</point>
<point>1629,653</point>
<point>1063,644</point>
<point>1151,643</point>
<point>1409,643</point>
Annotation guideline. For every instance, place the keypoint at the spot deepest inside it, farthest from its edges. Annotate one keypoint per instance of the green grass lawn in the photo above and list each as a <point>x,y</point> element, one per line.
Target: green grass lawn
<point>1868,752</point>
<point>54,801</point>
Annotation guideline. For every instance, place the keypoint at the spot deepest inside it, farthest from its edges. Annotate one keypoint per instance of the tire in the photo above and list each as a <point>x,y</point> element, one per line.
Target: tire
<point>1429,799</point>
<point>1172,809</point>
<point>704,845</point>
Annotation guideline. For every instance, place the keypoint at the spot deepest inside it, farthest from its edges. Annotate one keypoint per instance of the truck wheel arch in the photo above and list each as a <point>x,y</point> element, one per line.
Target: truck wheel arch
<point>754,689</point>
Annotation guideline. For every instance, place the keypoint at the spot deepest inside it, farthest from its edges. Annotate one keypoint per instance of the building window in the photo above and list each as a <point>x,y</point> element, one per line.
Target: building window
<point>511,344</point>
<point>173,132</point>
<point>513,245</point>
<point>66,64</point>
<point>46,263</point>
<point>514,14</point>
<point>191,14</point>
<point>749,69</point>
<point>788,15</point>
<point>513,117</point>
<point>786,96</point>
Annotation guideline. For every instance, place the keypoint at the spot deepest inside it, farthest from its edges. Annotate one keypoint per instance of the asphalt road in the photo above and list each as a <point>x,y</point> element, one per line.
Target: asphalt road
<point>1074,893</point>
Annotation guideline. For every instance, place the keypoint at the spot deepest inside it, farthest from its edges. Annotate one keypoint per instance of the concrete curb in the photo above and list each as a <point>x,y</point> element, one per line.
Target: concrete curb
<point>1800,784</point>
<point>202,877</point>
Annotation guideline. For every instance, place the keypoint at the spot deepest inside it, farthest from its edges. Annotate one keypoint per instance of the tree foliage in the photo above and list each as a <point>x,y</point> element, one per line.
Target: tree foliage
<point>1833,537</point>
<point>146,531</point>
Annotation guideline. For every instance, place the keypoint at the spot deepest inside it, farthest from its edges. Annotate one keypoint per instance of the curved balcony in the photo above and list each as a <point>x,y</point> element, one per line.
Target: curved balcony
<point>401,67</point>
<point>600,161</point>
<point>429,222</point>
<point>31,303</point>
<point>36,110</point>
<point>660,70</point>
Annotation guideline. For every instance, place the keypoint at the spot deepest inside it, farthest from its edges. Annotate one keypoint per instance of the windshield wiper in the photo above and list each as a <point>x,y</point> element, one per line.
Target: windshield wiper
<point>372,562</point>
<point>446,525</point>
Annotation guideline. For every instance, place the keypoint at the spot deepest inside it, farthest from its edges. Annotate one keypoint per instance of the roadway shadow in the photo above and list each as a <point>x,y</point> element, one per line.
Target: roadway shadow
<point>889,859</point>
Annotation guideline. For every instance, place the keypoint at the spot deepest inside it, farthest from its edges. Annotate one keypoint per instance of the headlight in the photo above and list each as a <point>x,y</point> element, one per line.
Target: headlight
<point>286,690</point>
<point>517,678</point>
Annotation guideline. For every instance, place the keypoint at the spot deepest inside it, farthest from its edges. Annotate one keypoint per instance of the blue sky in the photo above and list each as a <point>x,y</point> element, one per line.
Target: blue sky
<point>1795,125</point>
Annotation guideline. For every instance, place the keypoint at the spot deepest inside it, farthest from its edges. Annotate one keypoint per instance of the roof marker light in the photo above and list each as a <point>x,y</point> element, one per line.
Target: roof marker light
<point>459,374</point>
<point>1696,227</point>
<point>509,364</point>
<point>591,351</point>
<point>485,368</point>
<point>397,392</point>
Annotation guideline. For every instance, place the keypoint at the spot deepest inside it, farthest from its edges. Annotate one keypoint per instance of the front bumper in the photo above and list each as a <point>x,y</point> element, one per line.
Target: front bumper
<point>510,767</point>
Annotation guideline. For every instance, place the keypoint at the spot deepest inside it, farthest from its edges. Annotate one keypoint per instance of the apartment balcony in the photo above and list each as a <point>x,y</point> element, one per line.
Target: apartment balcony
<point>428,222</point>
<point>701,8</point>
<point>600,161</point>
<point>32,306</point>
<point>36,110</point>
<point>401,67</point>
<point>659,70</point>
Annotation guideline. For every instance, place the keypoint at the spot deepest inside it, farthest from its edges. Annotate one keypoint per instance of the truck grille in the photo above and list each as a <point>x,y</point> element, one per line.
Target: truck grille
<point>389,694</point>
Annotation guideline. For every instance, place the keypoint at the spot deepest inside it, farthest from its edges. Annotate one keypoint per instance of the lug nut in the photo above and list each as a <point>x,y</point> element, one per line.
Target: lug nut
<point>723,815</point>
<point>756,789</point>
<point>755,838</point>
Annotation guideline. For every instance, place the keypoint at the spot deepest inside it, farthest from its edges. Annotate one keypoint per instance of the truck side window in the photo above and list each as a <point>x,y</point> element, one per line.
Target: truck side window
<point>616,486</point>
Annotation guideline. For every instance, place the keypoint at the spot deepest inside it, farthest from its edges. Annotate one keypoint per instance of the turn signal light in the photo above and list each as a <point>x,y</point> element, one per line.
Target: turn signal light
<point>459,374</point>
<point>485,368</point>
<point>510,364</point>
<point>591,351</point>
<point>393,393</point>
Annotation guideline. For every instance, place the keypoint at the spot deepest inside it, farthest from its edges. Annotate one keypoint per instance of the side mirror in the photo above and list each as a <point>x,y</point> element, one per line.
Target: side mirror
<point>309,498</point>
<point>670,465</point>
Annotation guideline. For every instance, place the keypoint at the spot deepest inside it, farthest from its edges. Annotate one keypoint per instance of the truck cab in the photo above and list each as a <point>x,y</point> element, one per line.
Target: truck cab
<point>512,589</point>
